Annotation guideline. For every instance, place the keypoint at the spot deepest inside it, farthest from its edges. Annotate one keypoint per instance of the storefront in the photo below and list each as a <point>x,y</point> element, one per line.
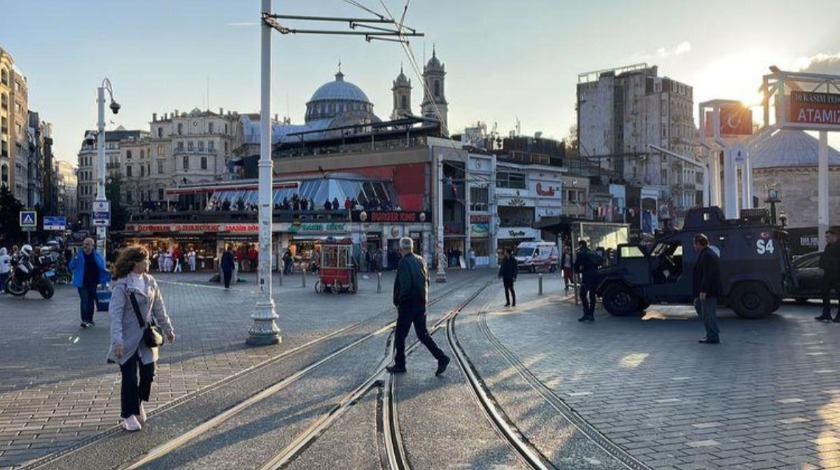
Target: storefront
<point>480,239</point>
<point>208,240</point>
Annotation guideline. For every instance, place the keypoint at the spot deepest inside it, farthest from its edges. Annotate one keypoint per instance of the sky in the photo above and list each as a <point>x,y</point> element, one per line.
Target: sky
<point>504,60</point>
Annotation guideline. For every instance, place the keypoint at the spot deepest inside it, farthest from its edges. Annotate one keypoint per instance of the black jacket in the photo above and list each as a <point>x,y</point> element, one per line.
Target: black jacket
<point>411,286</point>
<point>227,261</point>
<point>706,274</point>
<point>830,261</point>
<point>509,270</point>
<point>586,263</point>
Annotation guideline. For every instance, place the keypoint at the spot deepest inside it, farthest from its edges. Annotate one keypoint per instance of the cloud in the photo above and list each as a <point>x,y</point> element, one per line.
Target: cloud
<point>683,48</point>
<point>665,51</point>
<point>820,63</point>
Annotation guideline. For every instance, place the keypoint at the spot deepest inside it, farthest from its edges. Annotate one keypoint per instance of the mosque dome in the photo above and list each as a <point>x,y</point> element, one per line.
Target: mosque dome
<point>337,97</point>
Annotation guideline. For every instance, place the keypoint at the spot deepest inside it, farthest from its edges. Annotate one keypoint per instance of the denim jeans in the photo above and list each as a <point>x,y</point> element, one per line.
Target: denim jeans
<point>132,392</point>
<point>88,296</point>
<point>707,309</point>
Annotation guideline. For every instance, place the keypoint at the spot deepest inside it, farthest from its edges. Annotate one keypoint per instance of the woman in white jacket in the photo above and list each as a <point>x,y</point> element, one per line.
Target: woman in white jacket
<point>127,346</point>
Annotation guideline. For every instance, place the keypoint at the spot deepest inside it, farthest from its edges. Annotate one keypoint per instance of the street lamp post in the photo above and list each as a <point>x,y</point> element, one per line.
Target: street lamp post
<point>265,331</point>
<point>102,234</point>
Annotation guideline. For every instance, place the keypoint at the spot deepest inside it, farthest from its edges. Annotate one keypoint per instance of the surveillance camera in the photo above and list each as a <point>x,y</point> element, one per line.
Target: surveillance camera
<point>115,107</point>
<point>90,138</point>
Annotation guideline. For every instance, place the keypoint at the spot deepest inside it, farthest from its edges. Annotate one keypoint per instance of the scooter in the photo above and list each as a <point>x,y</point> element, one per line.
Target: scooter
<point>25,277</point>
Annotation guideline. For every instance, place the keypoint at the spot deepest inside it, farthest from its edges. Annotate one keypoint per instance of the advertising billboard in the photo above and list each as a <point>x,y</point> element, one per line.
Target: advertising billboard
<point>814,110</point>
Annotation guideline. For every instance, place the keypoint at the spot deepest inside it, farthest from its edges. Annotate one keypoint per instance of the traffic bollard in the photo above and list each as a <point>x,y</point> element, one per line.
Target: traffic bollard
<point>280,276</point>
<point>541,290</point>
<point>303,277</point>
<point>378,283</point>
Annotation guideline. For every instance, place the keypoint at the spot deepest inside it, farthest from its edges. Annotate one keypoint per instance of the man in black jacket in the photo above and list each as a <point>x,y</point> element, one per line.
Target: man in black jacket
<point>411,288</point>
<point>830,264</point>
<point>706,287</point>
<point>508,271</point>
<point>586,263</point>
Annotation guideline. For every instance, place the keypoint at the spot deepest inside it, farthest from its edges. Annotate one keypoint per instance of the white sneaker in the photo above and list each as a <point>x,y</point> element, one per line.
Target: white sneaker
<point>142,416</point>
<point>131,424</point>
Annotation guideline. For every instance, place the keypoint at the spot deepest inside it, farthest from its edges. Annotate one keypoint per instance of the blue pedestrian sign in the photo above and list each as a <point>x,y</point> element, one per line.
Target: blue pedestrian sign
<point>52,222</point>
<point>28,219</point>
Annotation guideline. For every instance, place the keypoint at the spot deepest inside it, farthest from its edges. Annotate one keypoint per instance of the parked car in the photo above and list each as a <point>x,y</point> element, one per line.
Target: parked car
<point>808,275</point>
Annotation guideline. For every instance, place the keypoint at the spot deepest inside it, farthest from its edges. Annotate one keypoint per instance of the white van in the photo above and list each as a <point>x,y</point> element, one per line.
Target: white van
<point>537,256</point>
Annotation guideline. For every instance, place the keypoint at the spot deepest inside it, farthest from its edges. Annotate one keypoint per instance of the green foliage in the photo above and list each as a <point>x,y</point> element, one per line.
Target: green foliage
<point>10,208</point>
<point>119,213</point>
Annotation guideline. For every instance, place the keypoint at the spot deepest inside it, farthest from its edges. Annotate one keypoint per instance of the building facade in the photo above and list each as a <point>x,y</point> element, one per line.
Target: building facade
<point>66,182</point>
<point>14,121</point>
<point>621,113</point>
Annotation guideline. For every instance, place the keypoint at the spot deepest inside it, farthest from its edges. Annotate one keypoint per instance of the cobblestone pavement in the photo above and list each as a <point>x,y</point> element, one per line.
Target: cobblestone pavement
<point>56,389</point>
<point>767,397</point>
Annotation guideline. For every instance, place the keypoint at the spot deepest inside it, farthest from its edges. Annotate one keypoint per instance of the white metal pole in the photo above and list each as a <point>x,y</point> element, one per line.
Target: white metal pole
<point>100,186</point>
<point>467,211</point>
<point>491,199</point>
<point>822,190</point>
<point>437,184</point>
<point>730,179</point>
<point>264,330</point>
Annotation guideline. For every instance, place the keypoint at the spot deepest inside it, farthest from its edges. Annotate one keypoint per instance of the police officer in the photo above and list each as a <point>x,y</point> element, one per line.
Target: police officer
<point>411,288</point>
<point>830,264</point>
<point>586,263</point>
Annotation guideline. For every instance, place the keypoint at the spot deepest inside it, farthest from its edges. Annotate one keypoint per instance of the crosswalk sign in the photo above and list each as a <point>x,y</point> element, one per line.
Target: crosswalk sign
<point>28,219</point>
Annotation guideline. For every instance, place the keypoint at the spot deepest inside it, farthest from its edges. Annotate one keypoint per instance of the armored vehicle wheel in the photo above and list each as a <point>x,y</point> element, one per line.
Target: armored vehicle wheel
<point>777,302</point>
<point>620,301</point>
<point>751,300</point>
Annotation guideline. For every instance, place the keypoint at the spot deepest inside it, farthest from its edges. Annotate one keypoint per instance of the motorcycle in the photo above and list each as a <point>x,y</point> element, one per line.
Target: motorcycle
<point>25,277</point>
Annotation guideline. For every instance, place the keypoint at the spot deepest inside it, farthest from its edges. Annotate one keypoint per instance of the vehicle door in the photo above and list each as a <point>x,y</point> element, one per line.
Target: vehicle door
<point>671,281</point>
<point>634,263</point>
<point>808,275</point>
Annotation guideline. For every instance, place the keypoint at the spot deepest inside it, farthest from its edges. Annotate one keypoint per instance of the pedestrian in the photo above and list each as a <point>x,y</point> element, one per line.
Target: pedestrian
<point>135,294</point>
<point>227,264</point>
<point>830,264</point>
<point>253,258</point>
<point>178,256</point>
<point>566,266</point>
<point>88,272</point>
<point>586,263</point>
<point>411,288</point>
<point>191,259</point>
<point>706,287</point>
<point>5,269</point>
<point>288,262</point>
<point>472,258</point>
<point>508,271</point>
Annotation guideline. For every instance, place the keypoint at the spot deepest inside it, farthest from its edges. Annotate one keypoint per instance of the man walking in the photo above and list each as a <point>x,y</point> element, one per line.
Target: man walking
<point>5,269</point>
<point>508,271</point>
<point>566,267</point>
<point>227,264</point>
<point>706,287</point>
<point>411,289</point>
<point>586,263</point>
<point>830,264</point>
<point>88,272</point>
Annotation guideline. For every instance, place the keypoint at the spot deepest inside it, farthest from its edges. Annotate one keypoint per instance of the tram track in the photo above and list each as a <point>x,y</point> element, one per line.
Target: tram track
<point>293,377</point>
<point>387,422</point>
<point>529,453</point>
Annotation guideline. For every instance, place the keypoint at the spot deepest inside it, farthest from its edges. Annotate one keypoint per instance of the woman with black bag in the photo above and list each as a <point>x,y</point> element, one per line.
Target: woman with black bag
<point>137,315</point>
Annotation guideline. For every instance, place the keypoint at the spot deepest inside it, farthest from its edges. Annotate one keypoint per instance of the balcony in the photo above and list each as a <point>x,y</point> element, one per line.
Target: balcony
<point>239,216</point>
<point>194,151</point>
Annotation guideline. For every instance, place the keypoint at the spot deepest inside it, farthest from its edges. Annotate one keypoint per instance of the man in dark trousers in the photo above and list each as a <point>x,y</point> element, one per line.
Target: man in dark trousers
<point>227,265</point>
<point>89,271</point>
<point>586,264</point>
<point>706,287</point>
<point>508,271</point>
<point>411,289</point>
<point>830,264</point>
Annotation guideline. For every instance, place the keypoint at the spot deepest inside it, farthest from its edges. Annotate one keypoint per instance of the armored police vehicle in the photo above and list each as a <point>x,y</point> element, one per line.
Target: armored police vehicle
<point>755,266</point>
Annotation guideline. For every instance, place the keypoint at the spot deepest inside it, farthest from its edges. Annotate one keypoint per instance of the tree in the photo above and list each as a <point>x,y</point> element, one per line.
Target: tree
<point>10,208</point>
<point>119,213</point>
<point>572,142</point>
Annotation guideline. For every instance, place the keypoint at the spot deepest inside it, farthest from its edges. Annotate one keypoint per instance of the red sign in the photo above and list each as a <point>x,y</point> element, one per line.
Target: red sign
<point>822,109</point>
<point>735,119</point>
<point>194,228</point>
<point>544,192</point>
<point>389,216</point>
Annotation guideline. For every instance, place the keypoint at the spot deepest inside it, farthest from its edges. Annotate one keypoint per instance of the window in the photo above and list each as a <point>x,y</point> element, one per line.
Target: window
<point>160,149</point>
<point>142,171</point>
<point>160,194</point>
<point>211,146</point>
<point>128,154</point>
<point>210,128</point>
<point>180,128</point>
<point>160,132</point>
<point>226,148</point>
<point>631,251</point>
<point>4,76</point>
<point>160,167</point>
<point>404,104</point>
<point>226,129</point>
<point>186,162</point>
<point>203,163</point>
<point>180,146</point>
<point>478,199</point>
<point>437,88</point>
<point>510,180</point>
<point>200,145</point>
<point>142,154</point>
<point>190,145</point>
<point>128,171</point>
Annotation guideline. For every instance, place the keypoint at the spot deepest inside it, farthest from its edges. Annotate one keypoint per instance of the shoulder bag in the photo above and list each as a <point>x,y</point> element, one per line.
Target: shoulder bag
<point>152,334</point>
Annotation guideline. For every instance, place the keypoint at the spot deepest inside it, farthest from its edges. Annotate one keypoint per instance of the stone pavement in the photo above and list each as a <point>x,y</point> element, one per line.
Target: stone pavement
<point>767,397</point>
<point>56,389</point>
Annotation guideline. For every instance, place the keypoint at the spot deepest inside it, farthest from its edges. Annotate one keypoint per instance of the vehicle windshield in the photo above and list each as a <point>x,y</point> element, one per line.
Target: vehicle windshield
<point>524,252</point>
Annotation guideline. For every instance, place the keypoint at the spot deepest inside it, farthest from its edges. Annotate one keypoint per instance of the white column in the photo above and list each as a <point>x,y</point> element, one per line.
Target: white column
<point>264,330</point>
<point>467,211</point>
<point>491,199</point>
<point>730,180</point>
<point>746,184</point>
<point>822,190</point>
<point>437,190</point>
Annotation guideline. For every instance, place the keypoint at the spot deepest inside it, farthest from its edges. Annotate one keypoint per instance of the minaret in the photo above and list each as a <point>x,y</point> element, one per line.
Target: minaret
<point>434,99</point>
<point>402,96</point>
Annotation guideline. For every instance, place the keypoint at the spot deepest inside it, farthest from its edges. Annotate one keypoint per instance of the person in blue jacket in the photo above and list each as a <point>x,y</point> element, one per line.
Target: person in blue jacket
<point>89,271</point>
